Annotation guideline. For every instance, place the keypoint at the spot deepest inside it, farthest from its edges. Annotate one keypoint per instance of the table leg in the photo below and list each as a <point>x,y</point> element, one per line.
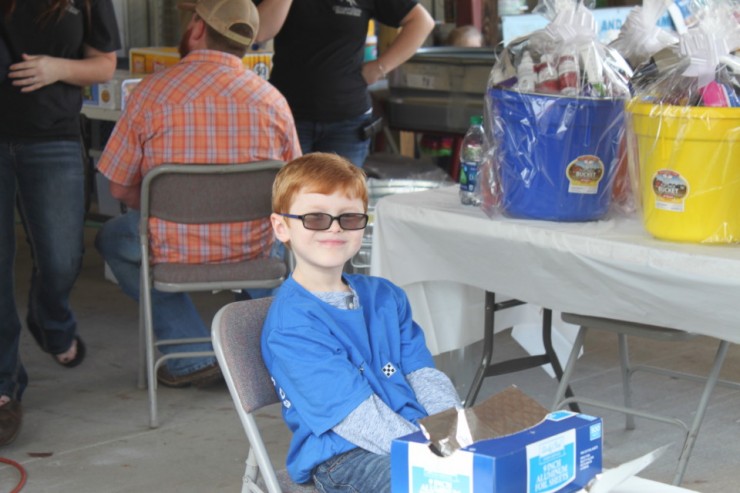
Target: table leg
<point>487,368</point>
<point>688,445</point>
<point>564,378</point>
<point>485,362</point>
<point>552,356</point>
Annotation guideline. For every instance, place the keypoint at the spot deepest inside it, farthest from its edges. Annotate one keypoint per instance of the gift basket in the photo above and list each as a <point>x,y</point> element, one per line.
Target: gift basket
<point>555,121</point>
<point>684,130</point>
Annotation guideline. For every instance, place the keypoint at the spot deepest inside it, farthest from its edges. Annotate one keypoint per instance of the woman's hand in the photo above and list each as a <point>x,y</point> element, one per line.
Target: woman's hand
<point>35,72</point>
<point>373,71</point>
<point>415,28</point>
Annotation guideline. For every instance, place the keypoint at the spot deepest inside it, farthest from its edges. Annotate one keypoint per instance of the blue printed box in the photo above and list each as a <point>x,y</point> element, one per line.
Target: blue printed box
<point>560,454</point>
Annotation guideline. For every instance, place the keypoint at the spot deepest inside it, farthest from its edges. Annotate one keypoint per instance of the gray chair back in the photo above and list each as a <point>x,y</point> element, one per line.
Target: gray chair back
<point>175,196</point>
<point>236,333</point>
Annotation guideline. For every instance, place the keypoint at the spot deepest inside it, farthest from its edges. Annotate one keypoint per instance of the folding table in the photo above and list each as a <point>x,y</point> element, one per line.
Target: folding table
<point>428,241</point>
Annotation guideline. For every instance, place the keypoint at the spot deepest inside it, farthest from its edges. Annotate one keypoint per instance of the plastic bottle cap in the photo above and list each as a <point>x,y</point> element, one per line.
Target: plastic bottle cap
<point>476,120</point>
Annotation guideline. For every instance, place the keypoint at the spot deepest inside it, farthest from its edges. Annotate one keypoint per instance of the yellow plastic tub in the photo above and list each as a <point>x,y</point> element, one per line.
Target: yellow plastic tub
<point>689,171</point>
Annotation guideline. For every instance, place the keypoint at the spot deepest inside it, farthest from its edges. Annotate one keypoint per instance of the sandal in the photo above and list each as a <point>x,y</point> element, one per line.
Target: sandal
<point>79,356</point>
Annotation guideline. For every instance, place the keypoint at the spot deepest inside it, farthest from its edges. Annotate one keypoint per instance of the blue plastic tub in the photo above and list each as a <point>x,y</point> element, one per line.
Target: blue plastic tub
<point>556,155</point>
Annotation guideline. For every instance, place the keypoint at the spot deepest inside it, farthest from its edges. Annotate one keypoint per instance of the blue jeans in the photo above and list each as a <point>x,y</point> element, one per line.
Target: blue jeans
<point>343,137</point>
<point>46,181</point>
<point>356,471</point>
<point>174,315</point>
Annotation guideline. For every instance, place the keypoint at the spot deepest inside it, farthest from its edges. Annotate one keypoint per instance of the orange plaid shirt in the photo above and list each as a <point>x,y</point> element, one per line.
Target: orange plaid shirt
<point>206,109</point>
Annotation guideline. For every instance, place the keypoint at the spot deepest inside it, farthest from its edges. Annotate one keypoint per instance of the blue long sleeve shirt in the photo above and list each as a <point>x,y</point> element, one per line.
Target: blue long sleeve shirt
<point>326,361</point>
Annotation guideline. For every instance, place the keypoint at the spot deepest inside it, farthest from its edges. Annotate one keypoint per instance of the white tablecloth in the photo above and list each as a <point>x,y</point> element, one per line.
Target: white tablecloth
<point>444,254</point>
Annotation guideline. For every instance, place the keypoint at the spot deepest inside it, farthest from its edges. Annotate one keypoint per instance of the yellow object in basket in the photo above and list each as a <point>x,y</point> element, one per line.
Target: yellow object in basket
<point>689,171</point>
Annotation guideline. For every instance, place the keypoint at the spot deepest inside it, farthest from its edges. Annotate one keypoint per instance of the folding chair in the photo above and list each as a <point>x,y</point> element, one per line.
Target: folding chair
<point>200,194</point>
<point>624,329</point>
<point>236,333</point>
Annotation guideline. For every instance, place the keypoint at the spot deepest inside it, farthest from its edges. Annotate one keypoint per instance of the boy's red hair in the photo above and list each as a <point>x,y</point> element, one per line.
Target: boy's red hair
<point>317,172</point>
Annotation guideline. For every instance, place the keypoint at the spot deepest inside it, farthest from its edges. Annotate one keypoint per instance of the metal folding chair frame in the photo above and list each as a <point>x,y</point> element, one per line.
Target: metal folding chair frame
<point>624,329</point>
<point>236,331</point>
<point>148,344</point>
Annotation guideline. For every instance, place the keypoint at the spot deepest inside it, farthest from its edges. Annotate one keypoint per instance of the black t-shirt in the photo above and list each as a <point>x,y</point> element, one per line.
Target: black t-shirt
<point>52,112</point>
<point>319,54</point>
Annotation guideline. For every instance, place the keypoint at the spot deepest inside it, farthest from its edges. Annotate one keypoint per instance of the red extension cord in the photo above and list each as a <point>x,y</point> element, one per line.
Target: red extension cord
<point>21,470</point>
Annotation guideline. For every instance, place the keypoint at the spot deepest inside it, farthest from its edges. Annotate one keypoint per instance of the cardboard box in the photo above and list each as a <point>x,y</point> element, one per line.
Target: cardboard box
<point>154,59</point>
<point>561,453</point>
<point>102,95</point>
<point>127,86</point>
<point>112,94</point>
<point>150,60</point>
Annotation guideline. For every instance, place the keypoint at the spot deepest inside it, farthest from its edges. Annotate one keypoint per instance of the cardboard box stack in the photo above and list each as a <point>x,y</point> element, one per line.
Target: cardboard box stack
<point>150,60</point>
<point>112,94</point>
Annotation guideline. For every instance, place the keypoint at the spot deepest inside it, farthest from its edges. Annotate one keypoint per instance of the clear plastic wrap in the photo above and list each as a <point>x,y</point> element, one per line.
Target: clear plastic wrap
<point>640,36</point>
<point>684,131</point>
<point>555,122</point>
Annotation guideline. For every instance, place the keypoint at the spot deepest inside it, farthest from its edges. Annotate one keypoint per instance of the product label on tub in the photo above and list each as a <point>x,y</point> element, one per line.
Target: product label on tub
<point>551,463</point>
<point>584,174</point>
<point>670,189</point>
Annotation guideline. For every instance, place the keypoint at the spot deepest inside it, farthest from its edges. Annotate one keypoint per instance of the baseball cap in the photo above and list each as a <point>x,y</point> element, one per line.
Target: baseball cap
<point>224,15</point>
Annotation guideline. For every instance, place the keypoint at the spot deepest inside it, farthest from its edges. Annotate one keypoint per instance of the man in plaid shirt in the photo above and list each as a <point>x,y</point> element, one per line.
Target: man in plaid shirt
<point>206,109</point>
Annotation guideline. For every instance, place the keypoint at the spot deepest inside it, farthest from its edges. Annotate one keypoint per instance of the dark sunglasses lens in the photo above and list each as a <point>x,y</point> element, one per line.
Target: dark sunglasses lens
<point>316,221</point>
<point>353,221</point>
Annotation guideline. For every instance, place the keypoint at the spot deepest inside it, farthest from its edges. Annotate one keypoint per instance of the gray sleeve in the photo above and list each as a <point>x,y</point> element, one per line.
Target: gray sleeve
<point>433,390</point>
<point>373,426</point>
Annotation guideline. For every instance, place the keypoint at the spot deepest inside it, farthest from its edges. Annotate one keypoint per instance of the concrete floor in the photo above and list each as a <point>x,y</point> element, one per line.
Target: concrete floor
<point>85,429</point>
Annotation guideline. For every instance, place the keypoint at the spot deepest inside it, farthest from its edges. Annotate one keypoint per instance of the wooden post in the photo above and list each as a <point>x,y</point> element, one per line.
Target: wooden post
<point>470,12</point>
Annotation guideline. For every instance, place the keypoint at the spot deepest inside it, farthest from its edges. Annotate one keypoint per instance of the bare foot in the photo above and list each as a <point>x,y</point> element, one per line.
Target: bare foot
<point>69,354</point>
<point>4,399</point>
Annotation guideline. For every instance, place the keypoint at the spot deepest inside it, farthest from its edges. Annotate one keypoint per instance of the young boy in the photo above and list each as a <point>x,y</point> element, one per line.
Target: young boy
<point>348,361</point>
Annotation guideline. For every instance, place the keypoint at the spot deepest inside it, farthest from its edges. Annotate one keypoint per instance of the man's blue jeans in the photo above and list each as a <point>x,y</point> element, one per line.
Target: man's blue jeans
<point>173,314</point>
<point>356,471</point>
<point>343,138</point>
<point>46,181</point>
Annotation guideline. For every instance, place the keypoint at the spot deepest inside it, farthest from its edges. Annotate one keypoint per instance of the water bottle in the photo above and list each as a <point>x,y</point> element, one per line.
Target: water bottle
<point>471,155</point>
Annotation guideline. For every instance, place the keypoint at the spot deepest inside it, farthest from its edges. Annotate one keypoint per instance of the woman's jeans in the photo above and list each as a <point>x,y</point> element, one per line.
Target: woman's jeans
<point>356,471</point>
<point>344,137</point>
<point>173,314</point>
<point>46,181</point>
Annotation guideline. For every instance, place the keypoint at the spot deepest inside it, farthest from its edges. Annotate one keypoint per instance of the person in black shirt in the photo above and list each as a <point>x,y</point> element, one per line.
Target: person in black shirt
<point>318,64</point>
<point>55,47</point>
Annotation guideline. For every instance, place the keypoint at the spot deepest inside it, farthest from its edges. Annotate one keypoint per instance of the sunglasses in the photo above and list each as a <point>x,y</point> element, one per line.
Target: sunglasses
<point>320,221</point>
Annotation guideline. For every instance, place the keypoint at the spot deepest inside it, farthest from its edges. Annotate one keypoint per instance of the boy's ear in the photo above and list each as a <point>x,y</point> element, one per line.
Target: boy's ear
<point>280,227</point>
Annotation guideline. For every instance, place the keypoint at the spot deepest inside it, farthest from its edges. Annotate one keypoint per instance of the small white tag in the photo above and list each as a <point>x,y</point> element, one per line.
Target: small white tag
<point>463,435</point>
